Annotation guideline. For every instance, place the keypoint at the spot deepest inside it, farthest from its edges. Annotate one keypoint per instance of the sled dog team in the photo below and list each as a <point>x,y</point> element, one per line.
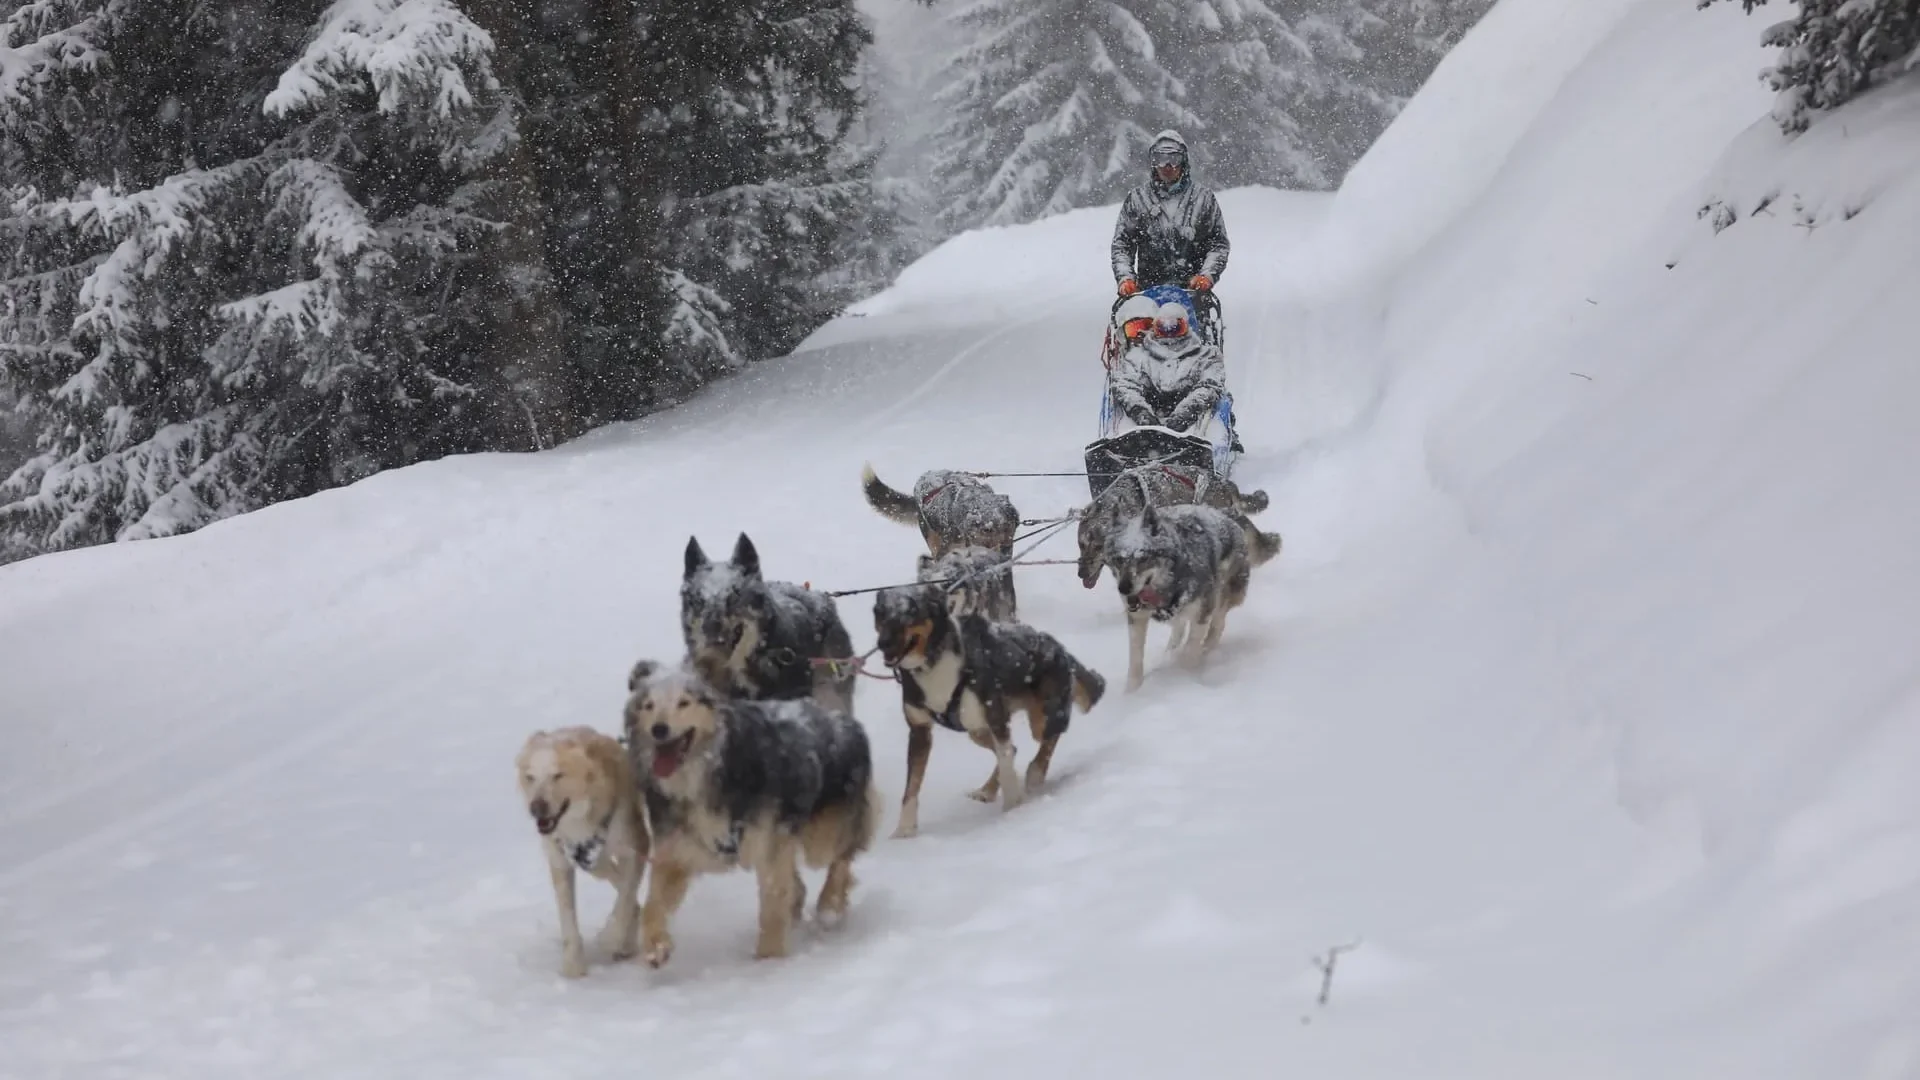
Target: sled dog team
<point>745,754</point>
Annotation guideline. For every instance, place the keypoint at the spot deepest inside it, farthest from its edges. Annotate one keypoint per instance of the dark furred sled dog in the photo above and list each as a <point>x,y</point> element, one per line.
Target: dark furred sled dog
<point>1185,565</point>
<point>1152,485</point>
<point>754,638</point>
<point>979,581</point>
<point>952,509</point>
<point>758,785</point>
<point>968,673</point>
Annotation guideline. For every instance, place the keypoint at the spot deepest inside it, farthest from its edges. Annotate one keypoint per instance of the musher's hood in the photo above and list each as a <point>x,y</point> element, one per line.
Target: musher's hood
<point>1168,137</point>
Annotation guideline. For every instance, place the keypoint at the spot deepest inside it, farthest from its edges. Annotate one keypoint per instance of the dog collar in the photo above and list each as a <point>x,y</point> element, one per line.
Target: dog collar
<point>586,854</point>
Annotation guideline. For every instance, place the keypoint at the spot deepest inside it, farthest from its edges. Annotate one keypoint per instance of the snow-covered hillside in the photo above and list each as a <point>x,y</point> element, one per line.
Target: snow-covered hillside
<point>1583,697</point>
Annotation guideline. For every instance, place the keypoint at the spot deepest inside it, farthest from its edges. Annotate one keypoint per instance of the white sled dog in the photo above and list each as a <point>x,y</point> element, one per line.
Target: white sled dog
<point>578,786</point>
<point>1187,565</point>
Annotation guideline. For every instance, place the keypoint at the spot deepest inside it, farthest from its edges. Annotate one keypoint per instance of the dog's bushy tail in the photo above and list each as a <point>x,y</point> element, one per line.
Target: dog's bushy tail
<point>1264,546</point>
<point>893,505</point>
<point>1088,686</point>
<point>1261,546</point>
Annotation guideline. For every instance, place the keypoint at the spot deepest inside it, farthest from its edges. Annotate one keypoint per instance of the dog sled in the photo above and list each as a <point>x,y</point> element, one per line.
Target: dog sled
<point>1210,443</point>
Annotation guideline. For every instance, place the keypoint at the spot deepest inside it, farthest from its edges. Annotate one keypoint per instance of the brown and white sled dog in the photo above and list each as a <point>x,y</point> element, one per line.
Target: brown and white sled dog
<point>1152,485</point>
<point>969,673</point>
<point>578,786</point>
<point>952,509</point>
<point>1185,565</point>
<point>760,785</point>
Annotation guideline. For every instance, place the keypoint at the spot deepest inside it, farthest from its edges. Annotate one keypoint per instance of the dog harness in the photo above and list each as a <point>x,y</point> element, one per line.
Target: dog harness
<point>586,854</point>
<point>949,716</point>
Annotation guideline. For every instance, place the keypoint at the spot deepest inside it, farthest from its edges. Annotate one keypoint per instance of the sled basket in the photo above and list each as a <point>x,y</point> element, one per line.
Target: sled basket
<point>1107,458</point>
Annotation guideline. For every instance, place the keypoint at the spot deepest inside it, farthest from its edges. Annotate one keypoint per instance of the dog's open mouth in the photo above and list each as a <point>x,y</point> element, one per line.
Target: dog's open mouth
<point>1150,597</point>
<point>668,755</point>
<point>547,824</point>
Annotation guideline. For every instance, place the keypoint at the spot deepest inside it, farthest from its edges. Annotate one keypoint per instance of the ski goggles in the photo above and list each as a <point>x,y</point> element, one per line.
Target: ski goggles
<point>1174,329</point>
<point>1133,328</point>
<point>1166,155</point>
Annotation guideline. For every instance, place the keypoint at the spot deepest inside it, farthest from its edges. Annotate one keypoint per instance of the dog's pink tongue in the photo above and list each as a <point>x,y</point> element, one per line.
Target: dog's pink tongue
<point>664,763</point>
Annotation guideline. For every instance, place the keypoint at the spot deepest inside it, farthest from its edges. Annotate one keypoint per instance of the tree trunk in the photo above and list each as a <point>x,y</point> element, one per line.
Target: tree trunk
<point>533,405</point>
<point>637,222</point>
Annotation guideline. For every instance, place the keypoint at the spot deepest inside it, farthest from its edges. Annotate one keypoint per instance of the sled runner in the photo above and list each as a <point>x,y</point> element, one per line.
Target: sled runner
<point>1209,443</point>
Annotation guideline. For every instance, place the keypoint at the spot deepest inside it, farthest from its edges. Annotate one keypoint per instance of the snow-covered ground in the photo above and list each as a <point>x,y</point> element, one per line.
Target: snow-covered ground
<point>1585,696</point>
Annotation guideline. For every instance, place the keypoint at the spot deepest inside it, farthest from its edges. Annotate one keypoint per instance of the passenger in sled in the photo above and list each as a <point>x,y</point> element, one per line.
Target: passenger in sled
<point>1168,376</point>
<point>1171,233</point>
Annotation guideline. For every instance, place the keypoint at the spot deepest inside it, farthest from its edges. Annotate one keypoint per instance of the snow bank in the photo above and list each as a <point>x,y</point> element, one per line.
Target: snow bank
<point>1658,367</point>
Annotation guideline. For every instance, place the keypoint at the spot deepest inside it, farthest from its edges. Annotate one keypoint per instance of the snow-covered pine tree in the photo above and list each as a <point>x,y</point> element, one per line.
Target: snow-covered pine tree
<point>1260,83</point>
<point>1052,103</point>
<point>1833,50</point>
<point>210,303</point>
<point>1370,58</point>
<point>768,196</point>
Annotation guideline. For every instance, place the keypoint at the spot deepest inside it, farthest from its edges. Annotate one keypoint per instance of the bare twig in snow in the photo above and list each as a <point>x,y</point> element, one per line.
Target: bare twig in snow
<point>1326,965</point>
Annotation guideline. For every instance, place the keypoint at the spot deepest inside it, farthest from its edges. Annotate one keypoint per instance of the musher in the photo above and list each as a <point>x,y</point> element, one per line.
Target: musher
<point>1170,230</point>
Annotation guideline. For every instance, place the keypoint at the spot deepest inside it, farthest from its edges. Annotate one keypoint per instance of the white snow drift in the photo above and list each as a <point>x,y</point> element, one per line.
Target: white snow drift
<point>1584,696</point>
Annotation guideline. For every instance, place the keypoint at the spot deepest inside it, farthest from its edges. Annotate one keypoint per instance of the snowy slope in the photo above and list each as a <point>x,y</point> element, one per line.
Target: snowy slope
<point>1582,701</point>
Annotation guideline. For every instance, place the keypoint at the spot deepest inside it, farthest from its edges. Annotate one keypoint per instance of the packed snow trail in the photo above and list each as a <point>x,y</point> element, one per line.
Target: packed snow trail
<point>1585,705</point>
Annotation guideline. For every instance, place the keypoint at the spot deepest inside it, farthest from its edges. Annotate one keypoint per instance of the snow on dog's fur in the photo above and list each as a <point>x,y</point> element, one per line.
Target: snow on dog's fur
<point>952,509</point>
<point>760,785</point>
<point>578,787</point>
<point>1152,485</point>
<point>969,673</point>
<point>1187,565</point>
<point>754,638</point>
<point>979,581</point>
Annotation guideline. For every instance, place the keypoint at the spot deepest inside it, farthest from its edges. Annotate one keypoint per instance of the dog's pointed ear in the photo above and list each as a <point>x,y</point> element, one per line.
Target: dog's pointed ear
<point>696,558</point>
<point>1147,519</point>
<point>746,557</point>
<point>642,671</point>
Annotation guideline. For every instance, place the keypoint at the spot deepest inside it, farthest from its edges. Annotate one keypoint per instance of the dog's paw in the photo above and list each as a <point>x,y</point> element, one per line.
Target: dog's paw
<point>1011,796</point>
<point>1134,682</point>
<point>983,794</point>
<point>770,948</point>
<point>908,826</point>
<point>573,963</point>
<point>618,939</point>
<point>658,950</point>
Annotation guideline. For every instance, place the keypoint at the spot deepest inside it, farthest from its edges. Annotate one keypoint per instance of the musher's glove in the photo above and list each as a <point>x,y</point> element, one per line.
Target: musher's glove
<point>1128,286</point>
<point>1201,282</point>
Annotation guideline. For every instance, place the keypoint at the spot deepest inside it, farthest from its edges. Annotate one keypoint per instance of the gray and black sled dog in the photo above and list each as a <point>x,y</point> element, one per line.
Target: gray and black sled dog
<point>1186,565</point>
<point>759,785</point>
<point>1152,485</point>
<point>979,581</point>
<point>757,639</point>
<point>952,509</point>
